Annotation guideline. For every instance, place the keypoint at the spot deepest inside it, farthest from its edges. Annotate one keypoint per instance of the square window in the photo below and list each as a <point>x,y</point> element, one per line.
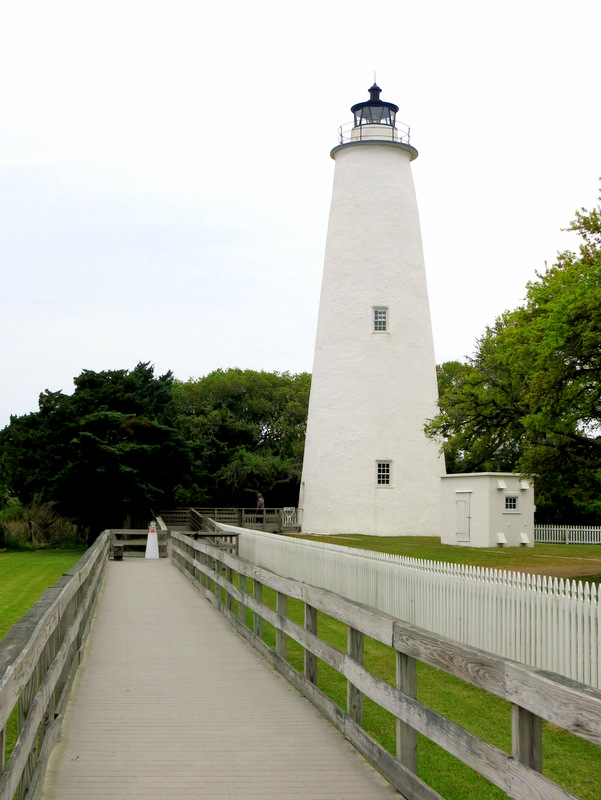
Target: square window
<point>511,502</point>
<point>380,319</point>
<point>383,473</point>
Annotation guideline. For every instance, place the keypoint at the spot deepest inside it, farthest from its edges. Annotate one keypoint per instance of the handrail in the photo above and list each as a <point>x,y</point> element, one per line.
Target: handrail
<point>349,132</point>
<point>135,539</point>
<point>535,695</point>
<point>38,659</point>
<point>267,519</point>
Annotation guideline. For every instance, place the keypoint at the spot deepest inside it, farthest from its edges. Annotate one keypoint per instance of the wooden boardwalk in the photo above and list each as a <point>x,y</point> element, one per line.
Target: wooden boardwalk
<point>171,703</point>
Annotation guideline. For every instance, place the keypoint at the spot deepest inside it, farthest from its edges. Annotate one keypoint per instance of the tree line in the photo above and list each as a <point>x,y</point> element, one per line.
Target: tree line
<point>125,440</point>
<point>528,400</point>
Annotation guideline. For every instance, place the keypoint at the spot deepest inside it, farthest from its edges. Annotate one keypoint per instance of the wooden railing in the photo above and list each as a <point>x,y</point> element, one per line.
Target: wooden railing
<point>134,542</point>
<point>38,660</point>
<point>543,622</point>
<point>534,695</point>
<point>267,519</point>
<point>271,519</point>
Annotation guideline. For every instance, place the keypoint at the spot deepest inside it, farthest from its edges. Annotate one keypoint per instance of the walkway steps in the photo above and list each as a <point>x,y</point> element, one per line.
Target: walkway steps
<point>171,703</point>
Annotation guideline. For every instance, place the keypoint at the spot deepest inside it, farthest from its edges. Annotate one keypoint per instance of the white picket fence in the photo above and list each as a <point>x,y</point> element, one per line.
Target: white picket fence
<point>567,534</point>
<point>542,622</point>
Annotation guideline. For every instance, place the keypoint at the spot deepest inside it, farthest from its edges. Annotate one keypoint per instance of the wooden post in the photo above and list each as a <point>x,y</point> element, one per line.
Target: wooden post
<point>26,697</point>
<point>46,659</point>
<point>242,606</point>
<point>207,577</point>
<point>216,587</point>
<point>2,748</point>
<point>229,600</point>
<point>354,698</point>
<point>204,581</point>
<point>24,706</point>
<point>281,639</point>
<point>406,736</point>
<point>257,618</point>
<point>310,658</point>
<point>239,512</point>
<point>527,738</point>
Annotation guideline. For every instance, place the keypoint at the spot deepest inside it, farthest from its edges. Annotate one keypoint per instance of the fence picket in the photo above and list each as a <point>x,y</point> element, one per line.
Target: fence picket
<point>567,534</point>
<point>543,623</point>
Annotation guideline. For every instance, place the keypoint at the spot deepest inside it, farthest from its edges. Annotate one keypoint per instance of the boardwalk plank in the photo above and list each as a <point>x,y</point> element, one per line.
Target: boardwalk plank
<point>171,703</point>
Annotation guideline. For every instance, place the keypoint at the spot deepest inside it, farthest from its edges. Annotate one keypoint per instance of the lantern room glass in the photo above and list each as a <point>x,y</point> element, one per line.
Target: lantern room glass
<point>375,115</point>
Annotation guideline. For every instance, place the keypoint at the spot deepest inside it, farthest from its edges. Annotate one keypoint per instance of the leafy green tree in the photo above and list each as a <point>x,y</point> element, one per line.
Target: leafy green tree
<point>530,398</point>
<point>102,454</point>
<point>246,432</point>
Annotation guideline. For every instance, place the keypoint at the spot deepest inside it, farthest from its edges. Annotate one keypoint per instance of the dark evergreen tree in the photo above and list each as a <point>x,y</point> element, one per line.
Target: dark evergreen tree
<point>104,454</point>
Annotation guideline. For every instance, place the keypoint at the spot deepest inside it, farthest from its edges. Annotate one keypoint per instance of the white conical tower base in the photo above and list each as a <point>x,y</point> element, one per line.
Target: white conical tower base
<point>372,392</point>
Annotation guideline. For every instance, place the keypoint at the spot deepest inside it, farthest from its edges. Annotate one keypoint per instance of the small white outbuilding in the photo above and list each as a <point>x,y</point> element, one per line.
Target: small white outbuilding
<point>487,509</point>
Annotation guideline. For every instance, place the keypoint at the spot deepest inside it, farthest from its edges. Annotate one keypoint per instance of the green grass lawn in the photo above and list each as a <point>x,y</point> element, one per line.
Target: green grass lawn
<point>24,577</point>
<point>574,561</point>
<point>568,760</point>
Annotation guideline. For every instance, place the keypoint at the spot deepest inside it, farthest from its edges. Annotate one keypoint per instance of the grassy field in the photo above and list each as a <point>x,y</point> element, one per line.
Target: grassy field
<point>574,561</point>
<point>568,760</point>
<point>25,576</point>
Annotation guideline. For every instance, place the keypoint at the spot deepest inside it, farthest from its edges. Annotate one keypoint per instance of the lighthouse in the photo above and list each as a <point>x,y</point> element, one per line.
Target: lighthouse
<point>368,467</point>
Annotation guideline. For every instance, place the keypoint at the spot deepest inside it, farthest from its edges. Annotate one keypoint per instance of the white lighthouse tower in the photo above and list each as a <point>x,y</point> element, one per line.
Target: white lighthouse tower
<point>368,466</point>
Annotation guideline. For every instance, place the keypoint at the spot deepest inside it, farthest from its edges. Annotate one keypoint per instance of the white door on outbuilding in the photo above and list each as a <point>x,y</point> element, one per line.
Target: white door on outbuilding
<point>462,514</point>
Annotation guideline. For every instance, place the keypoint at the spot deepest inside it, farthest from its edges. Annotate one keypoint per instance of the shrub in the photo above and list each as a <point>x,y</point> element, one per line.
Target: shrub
<point>35,526</point>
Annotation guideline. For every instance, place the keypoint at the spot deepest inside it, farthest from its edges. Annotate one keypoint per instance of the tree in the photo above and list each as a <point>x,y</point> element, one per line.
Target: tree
<point>246,431</point>
<point>104,454</point>
<point>530,398</point>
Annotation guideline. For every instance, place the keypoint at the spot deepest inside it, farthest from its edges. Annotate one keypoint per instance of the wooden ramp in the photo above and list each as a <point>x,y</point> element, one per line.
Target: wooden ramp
<point>171,703</point>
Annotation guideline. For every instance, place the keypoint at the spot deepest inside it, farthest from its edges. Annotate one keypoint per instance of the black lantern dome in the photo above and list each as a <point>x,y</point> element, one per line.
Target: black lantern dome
<point>374,111</point>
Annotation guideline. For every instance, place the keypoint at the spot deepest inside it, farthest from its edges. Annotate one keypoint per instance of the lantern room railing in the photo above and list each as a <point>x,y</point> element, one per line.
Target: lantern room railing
<point>350,133</point>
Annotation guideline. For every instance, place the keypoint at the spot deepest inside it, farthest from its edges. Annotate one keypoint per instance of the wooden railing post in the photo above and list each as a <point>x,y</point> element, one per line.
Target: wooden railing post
<point>206,580</point>
<point>214,581</point>
<point>257,618</point>
<point>406,737</point>
<point>281,639</point>
<point>310,658</point>
<point>242,605</point>
<point>24,705</point>
<point>527,738</point>
<point>354,698</point>
<point>229,600</point>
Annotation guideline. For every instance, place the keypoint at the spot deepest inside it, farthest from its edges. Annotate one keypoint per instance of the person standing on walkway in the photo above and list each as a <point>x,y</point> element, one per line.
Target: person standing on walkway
<point>260,508</point>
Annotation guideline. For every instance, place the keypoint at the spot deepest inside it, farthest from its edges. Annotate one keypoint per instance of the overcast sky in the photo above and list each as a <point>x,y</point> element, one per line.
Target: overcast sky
<point>165,172</point>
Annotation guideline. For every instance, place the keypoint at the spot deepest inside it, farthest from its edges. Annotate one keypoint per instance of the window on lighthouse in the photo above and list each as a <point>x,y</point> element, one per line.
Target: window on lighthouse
<point>380,319</point>
<point>383,473</point>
